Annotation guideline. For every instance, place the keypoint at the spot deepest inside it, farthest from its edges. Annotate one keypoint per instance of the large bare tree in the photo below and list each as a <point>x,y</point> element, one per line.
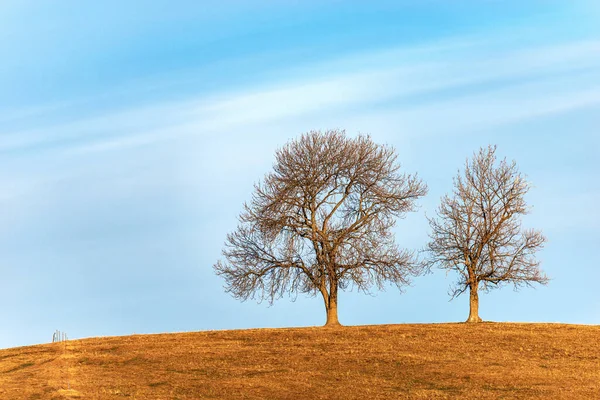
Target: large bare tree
<point>321,221</point>
<point>478,233</point>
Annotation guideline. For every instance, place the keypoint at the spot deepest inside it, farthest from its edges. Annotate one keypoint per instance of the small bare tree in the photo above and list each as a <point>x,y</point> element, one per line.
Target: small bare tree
<point>321,221</point>
<point>478,233</point>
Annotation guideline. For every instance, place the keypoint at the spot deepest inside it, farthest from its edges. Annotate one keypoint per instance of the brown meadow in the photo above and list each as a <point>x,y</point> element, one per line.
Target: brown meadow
<point>428,361</point>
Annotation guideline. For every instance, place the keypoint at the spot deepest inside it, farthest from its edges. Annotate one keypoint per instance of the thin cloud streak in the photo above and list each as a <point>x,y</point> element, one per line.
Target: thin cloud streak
<point>467,71</point>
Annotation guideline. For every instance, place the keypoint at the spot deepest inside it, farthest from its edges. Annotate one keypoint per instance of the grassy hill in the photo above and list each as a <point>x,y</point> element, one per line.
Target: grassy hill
<point>440,361</point>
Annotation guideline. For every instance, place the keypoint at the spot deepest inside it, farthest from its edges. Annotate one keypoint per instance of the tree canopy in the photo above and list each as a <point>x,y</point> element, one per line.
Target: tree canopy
<point>477,231</point>
<point>321,221</point>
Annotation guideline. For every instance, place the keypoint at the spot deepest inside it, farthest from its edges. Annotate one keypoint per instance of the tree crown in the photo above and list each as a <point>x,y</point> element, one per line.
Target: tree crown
<point>321,220</point>
<point>477,230</point>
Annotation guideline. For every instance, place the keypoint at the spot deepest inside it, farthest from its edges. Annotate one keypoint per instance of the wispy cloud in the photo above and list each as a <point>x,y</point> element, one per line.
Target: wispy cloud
<point>417,85</point>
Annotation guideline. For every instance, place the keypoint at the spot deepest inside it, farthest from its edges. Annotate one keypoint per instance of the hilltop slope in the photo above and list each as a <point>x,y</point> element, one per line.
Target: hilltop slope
<point>487,360</point>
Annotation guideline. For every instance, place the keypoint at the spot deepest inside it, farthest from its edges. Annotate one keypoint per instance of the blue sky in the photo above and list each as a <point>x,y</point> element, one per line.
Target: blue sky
<point>131,134</point>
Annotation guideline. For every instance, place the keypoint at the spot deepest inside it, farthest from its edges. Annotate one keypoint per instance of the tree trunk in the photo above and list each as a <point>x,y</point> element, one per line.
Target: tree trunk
<point>473,304</point>
<point>332,314</point>
<point>331,305</point>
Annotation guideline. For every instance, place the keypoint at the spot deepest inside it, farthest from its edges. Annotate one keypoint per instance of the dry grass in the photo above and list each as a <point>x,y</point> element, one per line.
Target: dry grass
<point>442,361</point>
